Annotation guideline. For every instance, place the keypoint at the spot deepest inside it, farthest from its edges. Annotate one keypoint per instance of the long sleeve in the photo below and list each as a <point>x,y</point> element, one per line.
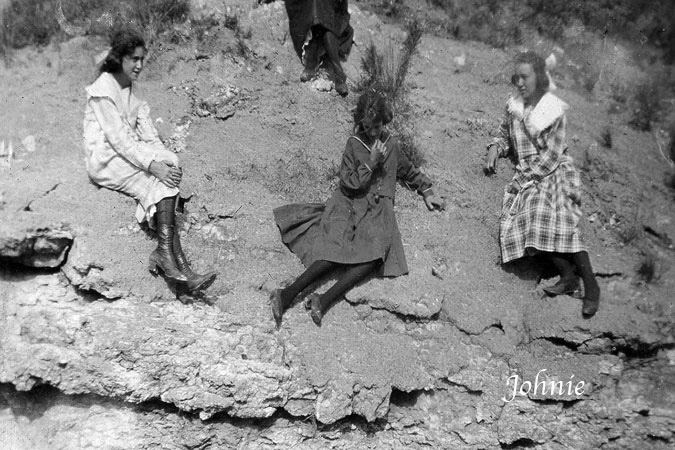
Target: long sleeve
<point>551,145</point>
<point>119,135</point>
<point>144,126</point>
<point>503,137</point>
<point>413,176</point>
<point>354,174</point>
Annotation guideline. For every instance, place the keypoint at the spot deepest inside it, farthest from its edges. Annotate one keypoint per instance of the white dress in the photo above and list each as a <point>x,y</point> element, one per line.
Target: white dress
<point>121,141</point>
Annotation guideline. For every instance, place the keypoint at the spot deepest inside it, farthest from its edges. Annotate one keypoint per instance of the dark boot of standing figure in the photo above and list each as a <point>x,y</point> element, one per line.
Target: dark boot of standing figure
<point>281,299</point>
<point>331,43</point>
<point>195,281</point>
<point>569,282</point>
<point>162,257</point>
<point>319,304</point>
<point>591,287</point>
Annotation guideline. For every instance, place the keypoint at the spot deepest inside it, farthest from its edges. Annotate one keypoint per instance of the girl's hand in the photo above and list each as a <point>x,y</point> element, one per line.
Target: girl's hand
<point>377,152</point>
<point>513,187</point>
<point>433,203</point>
<point>167,173</point>
<point>491,160</point>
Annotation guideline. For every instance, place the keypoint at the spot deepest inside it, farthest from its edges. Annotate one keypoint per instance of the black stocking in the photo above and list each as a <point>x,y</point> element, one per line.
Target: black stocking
<point>313,273</point>
<point>591,288</point>
<point>348,280</point>
<point>562,264</point>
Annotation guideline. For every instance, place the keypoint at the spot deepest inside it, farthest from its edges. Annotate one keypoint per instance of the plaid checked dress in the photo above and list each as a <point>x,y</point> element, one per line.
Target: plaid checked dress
<point>544,214</point>
<point>120,142</point>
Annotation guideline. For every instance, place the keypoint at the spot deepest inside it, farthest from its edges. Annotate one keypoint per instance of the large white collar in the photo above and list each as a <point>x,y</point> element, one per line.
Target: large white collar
<point>106,86</point>
<point>547,111</point>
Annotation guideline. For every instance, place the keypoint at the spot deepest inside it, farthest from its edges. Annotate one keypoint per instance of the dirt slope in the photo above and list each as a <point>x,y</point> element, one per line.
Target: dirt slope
<point>97,353</point>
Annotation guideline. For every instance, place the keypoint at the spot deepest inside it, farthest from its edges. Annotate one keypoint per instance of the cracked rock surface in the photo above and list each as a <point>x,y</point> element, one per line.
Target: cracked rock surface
<point>96,353</point>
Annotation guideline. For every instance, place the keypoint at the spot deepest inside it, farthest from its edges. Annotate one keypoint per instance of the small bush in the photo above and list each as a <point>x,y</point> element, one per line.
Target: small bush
<point>28,22</point>
<point>670,181</point>
<point>648,269</point>
<point>34,22</point>
<point>385,73</point>
<point>647,106</point>
<point>606,138</point>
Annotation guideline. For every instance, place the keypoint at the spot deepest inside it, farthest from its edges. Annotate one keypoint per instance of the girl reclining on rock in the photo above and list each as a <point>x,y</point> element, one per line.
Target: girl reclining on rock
<point>356,229</point>
<point>124,154</point>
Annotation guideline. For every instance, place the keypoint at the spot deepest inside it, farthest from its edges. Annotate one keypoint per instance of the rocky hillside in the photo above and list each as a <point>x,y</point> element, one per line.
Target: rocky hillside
<point>96,353</point>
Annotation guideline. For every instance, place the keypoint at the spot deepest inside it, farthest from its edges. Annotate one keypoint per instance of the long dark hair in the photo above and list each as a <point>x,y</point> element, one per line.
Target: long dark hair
<point>122,43</point>
<point>538,65</point>
<point>371,108</point>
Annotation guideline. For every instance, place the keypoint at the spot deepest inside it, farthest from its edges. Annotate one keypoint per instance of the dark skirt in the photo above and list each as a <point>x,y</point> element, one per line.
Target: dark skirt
<point>330,14</point>
<point>345,230</point>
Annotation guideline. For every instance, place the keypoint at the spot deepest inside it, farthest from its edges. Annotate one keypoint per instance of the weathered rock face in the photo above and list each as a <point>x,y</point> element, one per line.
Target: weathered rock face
<point>40,248</point>
<point>461,353</point>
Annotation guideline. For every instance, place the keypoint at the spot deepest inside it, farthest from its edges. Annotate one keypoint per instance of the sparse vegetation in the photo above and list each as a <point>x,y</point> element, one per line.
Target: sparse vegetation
<point>647,106</point>
<point>606,138</point>
<point>629,228</point>
<point>240,47</point>
<point>385,73</point>
<point>648,269</point>
<point>34,22</point>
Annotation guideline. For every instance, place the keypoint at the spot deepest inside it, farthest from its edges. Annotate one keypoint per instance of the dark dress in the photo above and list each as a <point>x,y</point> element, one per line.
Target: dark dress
<point>333,15</point>
<point>357,224</point>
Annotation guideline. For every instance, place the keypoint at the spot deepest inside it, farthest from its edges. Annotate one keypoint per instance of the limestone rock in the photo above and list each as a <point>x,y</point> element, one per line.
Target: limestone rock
<point>35,247</point>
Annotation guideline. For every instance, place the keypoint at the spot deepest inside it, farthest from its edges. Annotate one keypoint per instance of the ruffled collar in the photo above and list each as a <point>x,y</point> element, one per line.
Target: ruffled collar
<point>546,112</point>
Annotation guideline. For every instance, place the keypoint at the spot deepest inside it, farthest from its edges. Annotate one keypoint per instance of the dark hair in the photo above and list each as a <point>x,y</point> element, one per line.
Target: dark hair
<point>122,43</point>
<point>538,65</point>
<point>370,108</point>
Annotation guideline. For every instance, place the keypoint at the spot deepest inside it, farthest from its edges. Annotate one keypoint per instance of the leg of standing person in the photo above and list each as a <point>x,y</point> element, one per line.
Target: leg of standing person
<point>353,275</point>
<point>162,257</point>
<point>282,298</point>
<point>312,54</point>
<point>591,287</point>
<point>568,282</point>
<point>331,43</point>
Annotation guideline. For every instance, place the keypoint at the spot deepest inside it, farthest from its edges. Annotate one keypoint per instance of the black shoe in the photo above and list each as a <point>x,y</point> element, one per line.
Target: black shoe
<point>563,287</point>
<point>591,300</point>
<point>315,308</point>
<point>306,75</point>
<point>341,88</point>
<point>276,305</point>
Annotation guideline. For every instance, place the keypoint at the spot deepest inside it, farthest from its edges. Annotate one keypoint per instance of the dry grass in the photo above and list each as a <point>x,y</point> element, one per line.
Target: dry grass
<point>34,22</point>
<point>648,269</point>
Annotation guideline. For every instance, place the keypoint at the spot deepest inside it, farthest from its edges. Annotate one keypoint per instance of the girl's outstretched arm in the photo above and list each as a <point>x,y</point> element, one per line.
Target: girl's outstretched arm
<point>413,177</point>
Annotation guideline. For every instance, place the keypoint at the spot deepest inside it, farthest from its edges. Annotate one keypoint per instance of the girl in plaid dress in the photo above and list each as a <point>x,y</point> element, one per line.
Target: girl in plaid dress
<point>541,207</point>
<point>124,153</point>
<point>356,230</point>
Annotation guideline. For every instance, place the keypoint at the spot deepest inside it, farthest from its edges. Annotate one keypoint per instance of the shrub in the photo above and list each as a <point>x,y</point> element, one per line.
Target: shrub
<point>606,137</point>
<point>28,22</point>
<point>648,269</point>
<point>386,73</point>
<point>647,107</point>
<point>34,22</point>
